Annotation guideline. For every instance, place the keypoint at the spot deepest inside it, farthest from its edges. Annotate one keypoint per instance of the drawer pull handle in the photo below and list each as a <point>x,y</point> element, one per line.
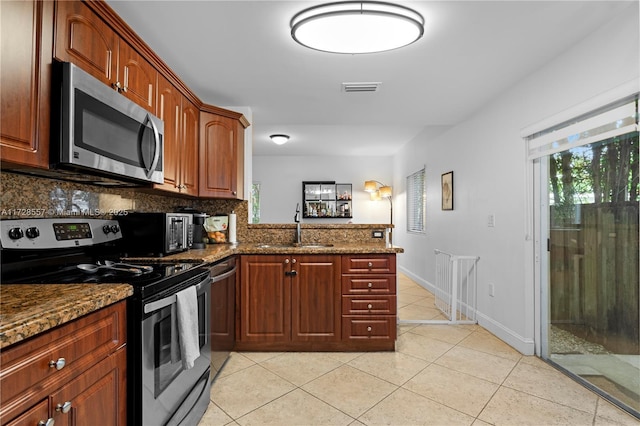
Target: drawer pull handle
<point>369,328</point>
<point>369,306</point>
<point>370,265</point>
<point>370,285</point>
<point>59,364</point>
<point>64,408</point>
<point>48,422</point>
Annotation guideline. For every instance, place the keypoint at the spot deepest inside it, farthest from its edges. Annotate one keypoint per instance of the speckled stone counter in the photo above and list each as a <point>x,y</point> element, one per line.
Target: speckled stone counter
<point>215,252</point>
<point>27,310</point>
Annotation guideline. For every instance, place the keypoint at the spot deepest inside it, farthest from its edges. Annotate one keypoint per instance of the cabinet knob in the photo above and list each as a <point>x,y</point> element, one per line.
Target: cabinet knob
<point>370,265</point>
<point>370,285</point>
<point>286,261</point>
<point>64,407</point>
<point>116,85</point>
<point>48,422</point>
<point>369,328</point>
<point>294,261</point>
<point>59,364</point>
<point>369,306</point>
<point>235,192</point>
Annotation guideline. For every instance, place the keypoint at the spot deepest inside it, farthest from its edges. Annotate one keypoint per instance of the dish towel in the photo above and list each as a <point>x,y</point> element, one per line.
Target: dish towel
<point>187,301</point>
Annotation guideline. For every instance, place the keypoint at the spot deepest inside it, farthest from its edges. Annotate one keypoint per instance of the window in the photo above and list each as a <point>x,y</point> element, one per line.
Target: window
<point>254,202</point>
<point>416,202</point>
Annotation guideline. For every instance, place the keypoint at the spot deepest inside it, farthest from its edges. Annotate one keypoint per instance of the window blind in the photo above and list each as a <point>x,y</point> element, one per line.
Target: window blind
<point>614,120</point>
<point>416,202</point>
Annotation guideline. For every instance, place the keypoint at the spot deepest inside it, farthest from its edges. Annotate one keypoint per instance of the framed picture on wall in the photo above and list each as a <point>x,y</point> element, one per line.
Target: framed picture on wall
<point>447,191</point>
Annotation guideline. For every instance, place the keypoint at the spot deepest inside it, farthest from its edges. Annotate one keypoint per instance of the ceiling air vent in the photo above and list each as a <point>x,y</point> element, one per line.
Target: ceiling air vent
<point>361,87</point>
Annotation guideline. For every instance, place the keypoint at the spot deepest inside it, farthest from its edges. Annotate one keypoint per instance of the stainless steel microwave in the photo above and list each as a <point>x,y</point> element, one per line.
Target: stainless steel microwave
<point>102,132</point>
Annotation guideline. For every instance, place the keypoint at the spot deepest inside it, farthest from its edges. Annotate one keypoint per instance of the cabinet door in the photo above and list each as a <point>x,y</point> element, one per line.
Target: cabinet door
<point>25,57</point>
<point>218,156</point>
<point>315,298</point>
<point>169,110</point>
<point>96,397</point>
<point>190,144</point>
<point>137,77</point>
<point>265,299</point>
<point>86,40</point>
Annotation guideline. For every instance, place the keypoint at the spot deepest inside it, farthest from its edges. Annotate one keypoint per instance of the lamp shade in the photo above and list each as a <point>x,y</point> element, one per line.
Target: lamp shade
<point>375,196</point>
<point>370,186</point>
<point>354,27</point>
<point>385,191</point>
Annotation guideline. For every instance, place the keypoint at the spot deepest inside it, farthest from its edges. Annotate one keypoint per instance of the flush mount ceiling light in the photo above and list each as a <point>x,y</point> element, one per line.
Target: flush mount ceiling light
<point>357,27</point>
<point>279,139</point>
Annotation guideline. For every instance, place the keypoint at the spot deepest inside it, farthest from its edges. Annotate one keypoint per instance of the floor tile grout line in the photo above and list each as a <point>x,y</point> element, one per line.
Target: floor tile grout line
<point>594,412</point>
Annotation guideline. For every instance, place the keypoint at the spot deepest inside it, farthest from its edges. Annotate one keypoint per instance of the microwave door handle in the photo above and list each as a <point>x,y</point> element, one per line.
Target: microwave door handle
<point>156,152</point>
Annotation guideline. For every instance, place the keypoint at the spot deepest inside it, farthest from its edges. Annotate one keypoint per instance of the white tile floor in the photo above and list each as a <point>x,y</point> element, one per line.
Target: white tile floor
<point>438,375</point>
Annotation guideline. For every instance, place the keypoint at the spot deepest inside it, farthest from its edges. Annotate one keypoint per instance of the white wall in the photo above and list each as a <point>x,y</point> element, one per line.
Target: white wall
<point>281,177</point>
<point>487,156</point>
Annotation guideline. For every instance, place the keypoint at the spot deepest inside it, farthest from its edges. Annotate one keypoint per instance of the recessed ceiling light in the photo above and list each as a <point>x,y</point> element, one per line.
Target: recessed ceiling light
<point>279,139</point>
<point>357,27</point>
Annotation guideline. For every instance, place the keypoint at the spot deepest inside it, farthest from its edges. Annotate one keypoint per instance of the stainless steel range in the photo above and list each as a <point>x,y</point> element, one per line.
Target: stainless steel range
<point>162,388</point>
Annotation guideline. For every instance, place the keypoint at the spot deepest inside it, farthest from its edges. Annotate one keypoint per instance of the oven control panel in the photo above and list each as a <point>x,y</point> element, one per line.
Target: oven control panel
<point>57,232</point>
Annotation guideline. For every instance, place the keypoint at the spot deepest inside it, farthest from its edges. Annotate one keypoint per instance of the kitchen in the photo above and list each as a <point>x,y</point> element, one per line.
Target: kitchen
<point>496,122</point>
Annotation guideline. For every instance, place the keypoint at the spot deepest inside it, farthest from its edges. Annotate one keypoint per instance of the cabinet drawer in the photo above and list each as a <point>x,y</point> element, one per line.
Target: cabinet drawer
<point>81,343</point>
<point>374,305</point>
<point>369,264</point>
<point>366,328</point>
<point>368,285</point>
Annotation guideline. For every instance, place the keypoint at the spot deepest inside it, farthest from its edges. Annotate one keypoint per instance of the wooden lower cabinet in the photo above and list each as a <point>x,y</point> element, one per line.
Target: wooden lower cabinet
<point>306,302</point>
<point>74,374</point>
<point>369,303</point>
<point>288,302</point>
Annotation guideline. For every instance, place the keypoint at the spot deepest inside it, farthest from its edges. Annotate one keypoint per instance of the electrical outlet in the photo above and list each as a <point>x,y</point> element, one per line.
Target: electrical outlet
<point>491,290</point>
<point>491,221</point>
<point>377,234</point>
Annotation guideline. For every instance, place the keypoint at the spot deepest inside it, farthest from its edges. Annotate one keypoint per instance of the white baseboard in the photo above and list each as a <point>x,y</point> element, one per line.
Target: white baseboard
<point>523,345</point>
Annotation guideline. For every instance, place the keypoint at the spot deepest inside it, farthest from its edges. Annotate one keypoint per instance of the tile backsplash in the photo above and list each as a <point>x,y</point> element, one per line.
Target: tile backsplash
<point>29,196</point>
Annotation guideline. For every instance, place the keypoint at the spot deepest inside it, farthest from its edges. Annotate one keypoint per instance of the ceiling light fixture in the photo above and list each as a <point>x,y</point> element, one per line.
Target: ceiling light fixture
<point>279,139</point>
<point>354,27</point>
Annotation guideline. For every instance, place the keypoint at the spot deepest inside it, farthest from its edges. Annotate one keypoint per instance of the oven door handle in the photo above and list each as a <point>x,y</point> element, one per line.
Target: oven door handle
<point>170,300</point>
<point>226,275</point>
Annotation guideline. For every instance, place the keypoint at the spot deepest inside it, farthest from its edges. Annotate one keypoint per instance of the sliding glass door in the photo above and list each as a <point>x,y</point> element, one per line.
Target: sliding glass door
<point>590,290</point>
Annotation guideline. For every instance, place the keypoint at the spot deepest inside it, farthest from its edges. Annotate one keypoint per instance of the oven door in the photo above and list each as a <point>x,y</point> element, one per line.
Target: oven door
<point>171,394</point>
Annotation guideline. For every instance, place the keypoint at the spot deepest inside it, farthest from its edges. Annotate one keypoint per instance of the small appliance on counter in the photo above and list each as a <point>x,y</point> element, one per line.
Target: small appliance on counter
<point>198,232</point>
<point>156,234</point>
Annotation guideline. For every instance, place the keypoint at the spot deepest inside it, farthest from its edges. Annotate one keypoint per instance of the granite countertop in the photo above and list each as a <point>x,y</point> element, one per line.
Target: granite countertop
<point>215,252</point>
<point>30,309</point>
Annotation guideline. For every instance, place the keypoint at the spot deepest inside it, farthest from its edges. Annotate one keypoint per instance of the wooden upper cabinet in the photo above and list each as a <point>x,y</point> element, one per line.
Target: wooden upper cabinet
<point>191,137</point>
<point>83,38</point>
<point>86,40</point>
<point>221,156</point>
<point>170,111</point>
<point>136,76</point>
<point>181,133</point>
<point>26,30</point>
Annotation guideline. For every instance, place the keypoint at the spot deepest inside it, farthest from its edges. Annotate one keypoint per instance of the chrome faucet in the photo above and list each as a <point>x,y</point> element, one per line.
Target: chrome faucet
<point>296,219</point>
